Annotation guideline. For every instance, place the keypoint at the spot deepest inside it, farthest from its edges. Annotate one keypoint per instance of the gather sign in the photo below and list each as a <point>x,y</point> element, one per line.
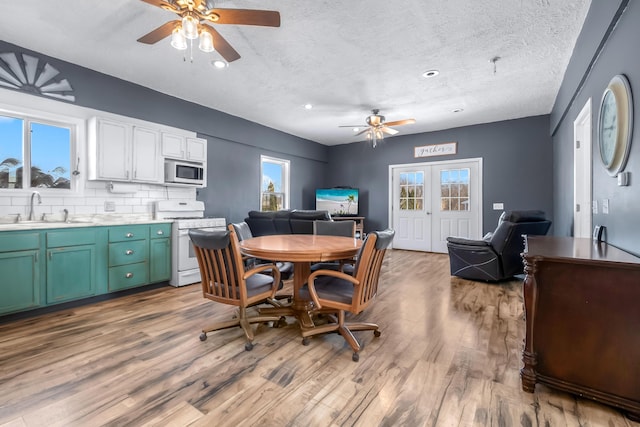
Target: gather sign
<point>443,149</point>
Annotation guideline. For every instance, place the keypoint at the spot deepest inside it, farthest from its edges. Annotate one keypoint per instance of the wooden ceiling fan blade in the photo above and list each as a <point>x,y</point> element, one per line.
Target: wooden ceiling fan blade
<point>264,18</point>
<point>350,126</point>
<point>159,33</point>
<point>162,4</point>
<point>388,130</point>
<point>400,122</point>
<point>221,45</point>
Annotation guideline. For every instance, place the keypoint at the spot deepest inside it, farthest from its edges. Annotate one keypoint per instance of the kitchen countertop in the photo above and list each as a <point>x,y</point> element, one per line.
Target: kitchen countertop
<point>79,221</point>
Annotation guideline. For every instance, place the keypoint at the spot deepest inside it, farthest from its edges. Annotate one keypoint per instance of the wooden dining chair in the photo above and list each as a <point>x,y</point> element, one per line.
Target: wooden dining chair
<point>224,279</point>
<point>335,228</point>
<point>334,290</point>
<point>285,268</point>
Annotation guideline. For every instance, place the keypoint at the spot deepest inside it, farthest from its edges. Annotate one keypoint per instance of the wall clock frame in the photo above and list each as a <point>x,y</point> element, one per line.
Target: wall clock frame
<point>615,124</point>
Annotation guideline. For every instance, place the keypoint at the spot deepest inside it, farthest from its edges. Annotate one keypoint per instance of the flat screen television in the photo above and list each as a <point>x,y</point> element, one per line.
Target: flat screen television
<point>338,201</point>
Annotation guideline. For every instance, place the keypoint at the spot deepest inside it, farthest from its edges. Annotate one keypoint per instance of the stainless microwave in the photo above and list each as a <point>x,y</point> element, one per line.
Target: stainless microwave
<point>179,172</point>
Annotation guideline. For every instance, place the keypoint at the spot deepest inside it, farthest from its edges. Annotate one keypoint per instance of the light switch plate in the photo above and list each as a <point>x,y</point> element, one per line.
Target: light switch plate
<point>594,207</point>
<point>109,206</point>
<point>605,206</point>
<point>498,206</point>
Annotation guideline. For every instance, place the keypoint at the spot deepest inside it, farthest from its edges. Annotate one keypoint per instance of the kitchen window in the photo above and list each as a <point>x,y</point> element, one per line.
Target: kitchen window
<point>35,153</point>
<point>274,184</point>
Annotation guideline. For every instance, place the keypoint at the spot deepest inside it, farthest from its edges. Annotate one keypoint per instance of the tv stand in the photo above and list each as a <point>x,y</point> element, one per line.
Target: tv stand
<point>359,223</point>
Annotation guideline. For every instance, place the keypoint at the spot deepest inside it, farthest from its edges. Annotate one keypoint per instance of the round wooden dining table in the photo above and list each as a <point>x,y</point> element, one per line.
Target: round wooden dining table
<point>302,250</point>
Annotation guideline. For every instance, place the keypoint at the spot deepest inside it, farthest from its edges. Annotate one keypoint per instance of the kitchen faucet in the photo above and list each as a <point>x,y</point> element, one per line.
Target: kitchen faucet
<point>31,213</point>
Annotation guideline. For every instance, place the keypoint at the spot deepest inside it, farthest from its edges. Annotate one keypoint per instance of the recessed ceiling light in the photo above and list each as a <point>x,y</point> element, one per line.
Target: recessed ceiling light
<point>430,73</point>
<point>457,110</point>
<point>219,63</point>
<point>308,106</point>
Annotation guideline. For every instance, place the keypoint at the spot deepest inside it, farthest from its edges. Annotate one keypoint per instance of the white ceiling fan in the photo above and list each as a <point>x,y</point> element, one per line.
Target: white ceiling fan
<point>377,127</point>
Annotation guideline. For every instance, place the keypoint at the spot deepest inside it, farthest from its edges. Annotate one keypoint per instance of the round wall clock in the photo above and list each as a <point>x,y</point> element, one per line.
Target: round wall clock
<point>615,124</point>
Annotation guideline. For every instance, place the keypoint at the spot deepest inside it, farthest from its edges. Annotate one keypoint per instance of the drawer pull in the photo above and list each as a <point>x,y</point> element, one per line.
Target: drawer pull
<point>129,235</point>
<point>159,232</point>
<point>128,252</point>
<point>128,275</point>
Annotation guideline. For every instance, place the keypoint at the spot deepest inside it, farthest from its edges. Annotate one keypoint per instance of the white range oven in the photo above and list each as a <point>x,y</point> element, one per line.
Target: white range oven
<point>186,215</point>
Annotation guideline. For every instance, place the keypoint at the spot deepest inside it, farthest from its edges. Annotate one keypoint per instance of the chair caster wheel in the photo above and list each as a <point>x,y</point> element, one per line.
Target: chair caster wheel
<point>203,337</point>
<point>305,341</point>
<point>355,357</point>
<point>377,333</point>
<point>248,346</point>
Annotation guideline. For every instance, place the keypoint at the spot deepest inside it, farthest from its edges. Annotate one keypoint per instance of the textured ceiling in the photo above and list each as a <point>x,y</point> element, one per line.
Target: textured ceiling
<point>344,57</point>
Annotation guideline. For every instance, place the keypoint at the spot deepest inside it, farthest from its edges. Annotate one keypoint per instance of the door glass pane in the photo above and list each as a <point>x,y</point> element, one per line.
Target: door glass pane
<point>411,190</point>
<point>454,189</point>
<point>11,136</point>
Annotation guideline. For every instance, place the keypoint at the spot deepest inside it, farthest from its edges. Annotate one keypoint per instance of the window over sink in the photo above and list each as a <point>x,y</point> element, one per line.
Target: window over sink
<point>35,153</point>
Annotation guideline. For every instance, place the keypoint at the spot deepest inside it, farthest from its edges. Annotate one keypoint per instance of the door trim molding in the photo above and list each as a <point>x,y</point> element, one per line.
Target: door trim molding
<point>435,163</point>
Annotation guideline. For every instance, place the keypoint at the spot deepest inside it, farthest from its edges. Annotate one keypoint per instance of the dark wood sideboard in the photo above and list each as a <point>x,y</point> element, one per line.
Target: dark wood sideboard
<point>582,310</point>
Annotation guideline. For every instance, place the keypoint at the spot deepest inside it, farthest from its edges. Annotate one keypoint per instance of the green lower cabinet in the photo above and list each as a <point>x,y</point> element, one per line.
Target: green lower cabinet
<point>19,281</point>
<point>159,260</point>
<point>128,276</point>
<point>71,273</point>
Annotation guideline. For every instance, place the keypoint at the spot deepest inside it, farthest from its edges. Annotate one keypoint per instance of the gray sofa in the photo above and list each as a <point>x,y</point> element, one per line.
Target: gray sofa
<point>294,221</point>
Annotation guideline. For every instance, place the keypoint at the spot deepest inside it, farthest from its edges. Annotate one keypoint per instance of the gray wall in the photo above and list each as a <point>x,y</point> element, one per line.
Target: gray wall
<point>517,154</point>
<point>517,159</point>
<point>607,46</point>
<point>234,148</point>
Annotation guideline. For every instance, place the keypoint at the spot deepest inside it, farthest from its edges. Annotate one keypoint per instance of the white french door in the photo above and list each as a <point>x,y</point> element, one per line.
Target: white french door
<point>431,201</point>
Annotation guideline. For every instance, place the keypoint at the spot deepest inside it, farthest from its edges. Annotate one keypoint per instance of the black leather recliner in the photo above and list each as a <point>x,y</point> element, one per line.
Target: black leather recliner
<point>497,255</point>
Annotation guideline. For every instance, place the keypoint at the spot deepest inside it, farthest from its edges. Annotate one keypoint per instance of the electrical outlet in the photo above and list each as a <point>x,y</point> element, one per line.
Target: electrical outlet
<point>498,206</point>
<point>109,206</point>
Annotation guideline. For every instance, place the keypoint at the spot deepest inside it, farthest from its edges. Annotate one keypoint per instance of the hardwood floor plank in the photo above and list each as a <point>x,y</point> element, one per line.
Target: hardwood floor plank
<point>449,355</point>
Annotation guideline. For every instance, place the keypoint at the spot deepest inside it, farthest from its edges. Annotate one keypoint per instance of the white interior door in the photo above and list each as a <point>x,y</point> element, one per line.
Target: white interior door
<point>456,194</point>
<point>431,201</point>
<point>582,173</point>
<point>412,207</point>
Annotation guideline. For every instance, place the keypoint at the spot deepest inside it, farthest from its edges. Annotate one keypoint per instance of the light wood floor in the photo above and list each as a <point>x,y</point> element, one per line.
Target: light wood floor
<point>449,355</point>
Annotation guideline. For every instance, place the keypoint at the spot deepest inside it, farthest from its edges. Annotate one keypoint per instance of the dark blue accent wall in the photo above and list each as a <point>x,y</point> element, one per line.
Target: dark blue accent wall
<point>234,144</point>
<point>517,154</point>
<point>517,159</point>
<point>607,46</point>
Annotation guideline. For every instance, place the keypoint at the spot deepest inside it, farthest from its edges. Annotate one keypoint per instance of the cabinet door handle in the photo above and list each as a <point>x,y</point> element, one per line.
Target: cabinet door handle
<point>159,232</point>
<point>50,256</point>
<point>129,235</point>
<point>128,275</point>
<point>128,252</point>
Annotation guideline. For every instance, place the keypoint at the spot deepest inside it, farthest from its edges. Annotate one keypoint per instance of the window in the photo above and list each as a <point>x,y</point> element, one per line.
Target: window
<point>454,190</point>
<point>274,185</point>
<point>34,153</point>
<point>412,191</point>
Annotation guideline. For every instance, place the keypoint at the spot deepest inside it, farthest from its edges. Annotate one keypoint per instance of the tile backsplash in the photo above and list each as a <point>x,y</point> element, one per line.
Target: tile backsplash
<point>96,198</point>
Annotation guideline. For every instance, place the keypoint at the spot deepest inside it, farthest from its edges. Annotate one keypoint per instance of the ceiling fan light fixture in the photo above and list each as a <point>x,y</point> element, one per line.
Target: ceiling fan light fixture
<point>178,40</point>
<point>190,27</point>
<point>206,42</point>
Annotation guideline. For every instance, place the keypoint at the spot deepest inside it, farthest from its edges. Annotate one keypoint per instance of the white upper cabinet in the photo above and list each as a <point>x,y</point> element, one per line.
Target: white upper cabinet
<point>184,148</point>
<point>120,151</point>
<point>147,161</point>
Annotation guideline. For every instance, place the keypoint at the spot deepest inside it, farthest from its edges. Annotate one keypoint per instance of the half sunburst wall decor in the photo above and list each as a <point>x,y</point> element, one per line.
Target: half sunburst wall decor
<point>27,73</point>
